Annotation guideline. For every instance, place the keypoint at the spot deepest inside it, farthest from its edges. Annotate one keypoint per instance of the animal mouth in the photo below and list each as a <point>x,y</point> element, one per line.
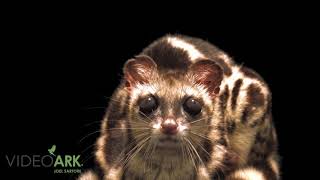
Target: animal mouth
<point>168,143</point>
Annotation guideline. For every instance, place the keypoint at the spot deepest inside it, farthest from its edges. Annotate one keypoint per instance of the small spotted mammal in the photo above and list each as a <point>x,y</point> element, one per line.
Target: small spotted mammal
<point>185,110</point>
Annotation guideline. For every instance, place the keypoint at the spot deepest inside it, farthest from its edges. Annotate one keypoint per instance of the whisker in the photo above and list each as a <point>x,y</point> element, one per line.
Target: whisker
<point>198,120</point>
<point>111,129</point>
<point>91,123</point>
<point>137,151</point>
<point>191,156</point>
<point>87,158</point>
<point>139,136</point>
<point>131,122</point>
<point>132,148</point>
<point>200,135</point>
<point>182,149</point>
<point>195,151</point>
<point>146,154</point>
<point>216,146</point>
<point>133,151</point>
<point>204,126</point>
<point>144,116</point>
<point>88,135</point>
<point>126,128</point>
<point>199,144</point>
<point>87,148</point>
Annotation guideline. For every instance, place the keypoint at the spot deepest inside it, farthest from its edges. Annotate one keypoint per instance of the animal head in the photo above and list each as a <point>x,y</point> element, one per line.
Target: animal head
<point>172,111</point>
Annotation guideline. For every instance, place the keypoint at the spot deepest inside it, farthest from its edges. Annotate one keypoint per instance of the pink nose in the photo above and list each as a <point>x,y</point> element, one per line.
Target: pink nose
<point>169,127</point>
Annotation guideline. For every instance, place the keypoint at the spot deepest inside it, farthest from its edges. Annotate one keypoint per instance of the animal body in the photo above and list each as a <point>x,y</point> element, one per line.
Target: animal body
<point>186,110</point>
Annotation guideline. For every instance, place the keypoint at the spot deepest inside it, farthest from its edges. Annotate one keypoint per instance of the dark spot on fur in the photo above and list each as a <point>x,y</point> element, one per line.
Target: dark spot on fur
<point>113,114</point>
<point>256,122</point>
<point>222,141</point>
<point>221,127</point>
<point>167,57</point>
<point>207,145</point>
<point>223,100</point>
<point>245,114</point>
<point>251,73</point>
<point>255,96</point>
<point>264,145</point>
<point>229,163</point>
<point>259,121</point>
<point>209,51</point>
<point>217,174</point>
<point>231,126</point>
<point>235,93</point>
<point>265,168</point>
<point>260,138</point>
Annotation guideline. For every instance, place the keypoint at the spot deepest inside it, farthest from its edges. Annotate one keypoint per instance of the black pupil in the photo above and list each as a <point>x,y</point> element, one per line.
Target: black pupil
<point>148,105</point>
<point>192,106</point>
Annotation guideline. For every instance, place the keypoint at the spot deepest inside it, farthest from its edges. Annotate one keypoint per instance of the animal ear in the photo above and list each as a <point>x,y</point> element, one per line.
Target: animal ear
<point>207,73</point>
<point>139,70</point>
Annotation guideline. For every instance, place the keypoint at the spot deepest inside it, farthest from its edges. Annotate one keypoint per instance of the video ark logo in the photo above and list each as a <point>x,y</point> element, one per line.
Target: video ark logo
<point>66,163</point>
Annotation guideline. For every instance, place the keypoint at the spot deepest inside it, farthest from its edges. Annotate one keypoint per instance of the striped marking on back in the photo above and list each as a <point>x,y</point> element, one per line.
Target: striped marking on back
<point>192,51</point>
<point>236,105</point>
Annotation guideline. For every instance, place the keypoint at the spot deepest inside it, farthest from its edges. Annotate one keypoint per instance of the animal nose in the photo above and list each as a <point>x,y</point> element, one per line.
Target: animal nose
<point>169,127</point>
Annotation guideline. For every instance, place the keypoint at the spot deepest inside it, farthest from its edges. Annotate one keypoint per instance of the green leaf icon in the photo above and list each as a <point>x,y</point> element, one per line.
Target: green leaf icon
<point>52,149</point>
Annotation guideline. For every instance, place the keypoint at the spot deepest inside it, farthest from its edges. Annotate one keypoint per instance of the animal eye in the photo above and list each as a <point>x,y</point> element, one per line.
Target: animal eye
<point>192,106</point>
<point>148,105</point>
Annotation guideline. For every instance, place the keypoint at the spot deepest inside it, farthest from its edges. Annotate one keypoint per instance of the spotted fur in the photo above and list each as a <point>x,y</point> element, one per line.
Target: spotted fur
<point>237,140</point>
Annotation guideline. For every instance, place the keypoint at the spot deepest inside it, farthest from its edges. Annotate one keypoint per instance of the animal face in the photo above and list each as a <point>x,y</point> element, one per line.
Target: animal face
<point>171,112</point>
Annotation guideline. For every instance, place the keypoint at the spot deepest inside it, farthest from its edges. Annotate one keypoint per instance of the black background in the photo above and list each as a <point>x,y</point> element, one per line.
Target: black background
<point>60,67</point>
